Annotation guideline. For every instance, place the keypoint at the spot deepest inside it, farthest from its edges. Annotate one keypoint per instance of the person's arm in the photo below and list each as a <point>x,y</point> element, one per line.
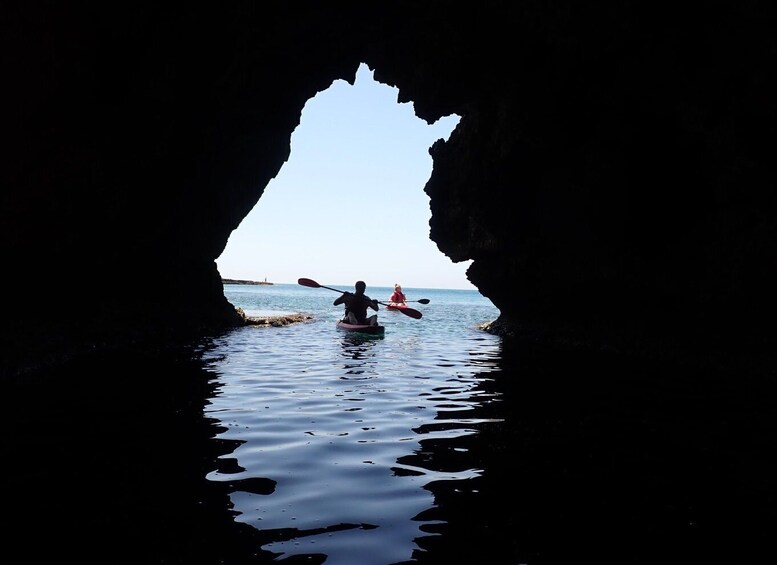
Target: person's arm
<point>372,303</point>
<point>340,299</point>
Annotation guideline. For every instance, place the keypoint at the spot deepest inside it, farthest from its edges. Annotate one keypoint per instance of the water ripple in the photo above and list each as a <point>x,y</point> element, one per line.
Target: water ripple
<point>339,425</point>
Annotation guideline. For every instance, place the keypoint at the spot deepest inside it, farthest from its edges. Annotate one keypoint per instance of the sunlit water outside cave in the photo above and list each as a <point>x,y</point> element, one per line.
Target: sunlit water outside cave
<point>434,443</point>
<point>347,426</point>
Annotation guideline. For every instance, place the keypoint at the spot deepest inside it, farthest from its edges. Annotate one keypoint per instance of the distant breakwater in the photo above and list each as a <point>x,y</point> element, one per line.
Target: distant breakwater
<point>241,281</point>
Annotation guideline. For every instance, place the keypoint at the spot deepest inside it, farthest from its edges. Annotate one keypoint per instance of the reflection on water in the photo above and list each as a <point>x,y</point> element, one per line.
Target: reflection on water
<point>297,445</point>
<point>358,349</point>
<point>340,433</point>
<point>404,450</point>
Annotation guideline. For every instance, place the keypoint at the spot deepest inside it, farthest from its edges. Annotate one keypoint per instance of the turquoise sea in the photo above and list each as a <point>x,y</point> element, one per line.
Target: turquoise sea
<point>339,421</point>
<point>451,313</point>
<point>436,443</point>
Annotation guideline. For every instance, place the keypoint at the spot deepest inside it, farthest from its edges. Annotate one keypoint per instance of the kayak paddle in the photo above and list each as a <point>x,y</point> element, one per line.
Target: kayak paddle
<point>313,284</point>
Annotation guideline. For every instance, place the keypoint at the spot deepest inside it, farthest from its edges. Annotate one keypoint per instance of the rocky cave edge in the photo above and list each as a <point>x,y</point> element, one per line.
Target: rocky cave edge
<point>612,176</point>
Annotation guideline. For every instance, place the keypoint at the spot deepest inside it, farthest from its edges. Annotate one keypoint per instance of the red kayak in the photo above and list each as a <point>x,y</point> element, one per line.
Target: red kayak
<point>361,328</point>
<point>391,306</point>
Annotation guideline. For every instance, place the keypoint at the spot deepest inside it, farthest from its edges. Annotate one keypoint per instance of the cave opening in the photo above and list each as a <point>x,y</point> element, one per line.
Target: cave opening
<point>349,202</point>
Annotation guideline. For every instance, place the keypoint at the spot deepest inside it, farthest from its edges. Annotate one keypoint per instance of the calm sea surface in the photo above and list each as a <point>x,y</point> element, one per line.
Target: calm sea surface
<point>339,421</point>
<point>436,443</point>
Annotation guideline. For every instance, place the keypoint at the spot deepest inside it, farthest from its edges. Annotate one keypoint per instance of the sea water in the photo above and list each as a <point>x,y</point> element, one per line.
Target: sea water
<point>339,421</point>
<point>436,443</point>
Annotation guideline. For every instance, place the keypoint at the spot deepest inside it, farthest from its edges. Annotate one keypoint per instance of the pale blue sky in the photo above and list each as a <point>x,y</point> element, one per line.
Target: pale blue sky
<point>349,203</point>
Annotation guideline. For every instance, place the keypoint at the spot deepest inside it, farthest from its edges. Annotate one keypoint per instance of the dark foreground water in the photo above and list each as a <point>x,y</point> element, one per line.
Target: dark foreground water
<point>437,443</point>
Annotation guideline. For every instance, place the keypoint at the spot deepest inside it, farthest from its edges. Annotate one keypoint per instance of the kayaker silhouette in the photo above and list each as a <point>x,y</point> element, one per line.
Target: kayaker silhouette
<point>356,304</point>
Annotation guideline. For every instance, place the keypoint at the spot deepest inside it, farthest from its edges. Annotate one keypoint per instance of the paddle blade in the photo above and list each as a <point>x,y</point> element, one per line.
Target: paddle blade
<point>406,311</point>
<point>424,301</point>
<point>412,313</point>
<point>308,282</point>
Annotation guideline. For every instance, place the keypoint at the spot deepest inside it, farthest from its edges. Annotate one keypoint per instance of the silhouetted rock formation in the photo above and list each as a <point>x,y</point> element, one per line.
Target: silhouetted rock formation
<point>612,175</point>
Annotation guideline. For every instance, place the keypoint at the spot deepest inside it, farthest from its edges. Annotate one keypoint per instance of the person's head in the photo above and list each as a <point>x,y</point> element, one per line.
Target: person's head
<point>398,287</point>
<point>360,286</point>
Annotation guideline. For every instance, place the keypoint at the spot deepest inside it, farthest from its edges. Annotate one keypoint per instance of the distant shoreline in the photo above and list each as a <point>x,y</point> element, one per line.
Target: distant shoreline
<point>242,281</point>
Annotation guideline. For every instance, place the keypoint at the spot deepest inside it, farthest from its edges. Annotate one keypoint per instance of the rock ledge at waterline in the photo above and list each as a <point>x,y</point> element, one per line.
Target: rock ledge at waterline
<point>274,321</point>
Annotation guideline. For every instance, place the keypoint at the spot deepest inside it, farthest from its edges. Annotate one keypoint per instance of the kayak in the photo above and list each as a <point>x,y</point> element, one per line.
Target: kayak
<point>396,307</point>
<point>361,328</point>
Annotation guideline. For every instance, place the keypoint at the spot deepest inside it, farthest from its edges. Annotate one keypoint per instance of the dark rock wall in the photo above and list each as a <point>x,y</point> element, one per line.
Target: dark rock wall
<point>612,176</point>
